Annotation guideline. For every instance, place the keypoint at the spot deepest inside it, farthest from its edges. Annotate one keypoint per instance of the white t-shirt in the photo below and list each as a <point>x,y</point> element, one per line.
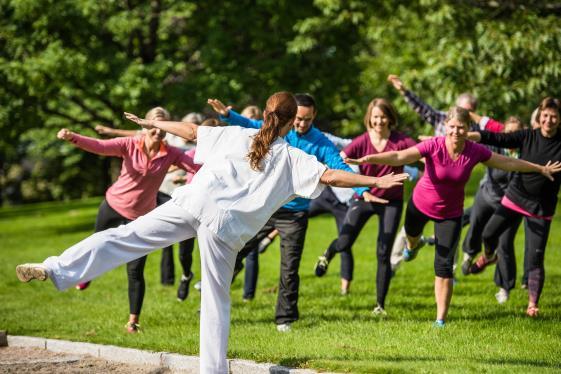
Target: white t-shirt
<point>235,201</point>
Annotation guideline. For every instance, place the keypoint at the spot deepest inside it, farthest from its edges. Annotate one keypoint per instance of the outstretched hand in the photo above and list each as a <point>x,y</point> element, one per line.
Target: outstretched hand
<point>103,130</point>
<point>551,168</point>
<point>391,180</point>
<point>396,82</point>
<point>64,134</point>
<point>369,198</point>
<point>147,124</point>
<point>219,107</point>
<point>354,161</point>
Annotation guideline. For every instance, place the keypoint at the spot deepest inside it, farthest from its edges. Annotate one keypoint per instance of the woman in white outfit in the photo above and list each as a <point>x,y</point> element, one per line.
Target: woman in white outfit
<point>247,175</point>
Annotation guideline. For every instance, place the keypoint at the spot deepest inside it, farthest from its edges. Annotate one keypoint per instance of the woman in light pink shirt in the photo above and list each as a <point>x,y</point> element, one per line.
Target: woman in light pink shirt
<point>146,160</point>
<point>439,194</point>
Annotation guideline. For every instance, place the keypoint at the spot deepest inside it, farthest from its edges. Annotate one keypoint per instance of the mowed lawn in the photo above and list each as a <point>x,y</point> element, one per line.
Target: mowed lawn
<point>334,333</point>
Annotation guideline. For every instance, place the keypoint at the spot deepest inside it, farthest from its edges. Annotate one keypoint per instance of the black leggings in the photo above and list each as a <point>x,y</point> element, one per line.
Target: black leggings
<point>446,233</point>
<point>327,202</point>
<point>536,231</point>
<point>108,218</point>
<point>357,215</point>
<point>167,267</point>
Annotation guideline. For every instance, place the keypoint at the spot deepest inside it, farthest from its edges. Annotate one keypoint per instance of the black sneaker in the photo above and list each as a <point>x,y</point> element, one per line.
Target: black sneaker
<point>183,289</point>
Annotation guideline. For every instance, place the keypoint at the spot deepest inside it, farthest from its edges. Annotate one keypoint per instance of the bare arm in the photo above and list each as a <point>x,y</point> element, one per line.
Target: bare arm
<point>393,158</point>
<point>475,117</point>
<point>109,131</point>
<point>474,136</point>
<point>186,130</point>
<point>341,178</point>
<point>513,164</point>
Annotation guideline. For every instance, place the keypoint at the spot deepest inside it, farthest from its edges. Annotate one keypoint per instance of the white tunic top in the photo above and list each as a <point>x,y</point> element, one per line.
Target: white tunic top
<point>235,201</point>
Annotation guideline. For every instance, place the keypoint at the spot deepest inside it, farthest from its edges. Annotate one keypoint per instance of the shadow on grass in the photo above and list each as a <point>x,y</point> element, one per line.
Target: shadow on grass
<point>346,361</point>
<point>521,362</point>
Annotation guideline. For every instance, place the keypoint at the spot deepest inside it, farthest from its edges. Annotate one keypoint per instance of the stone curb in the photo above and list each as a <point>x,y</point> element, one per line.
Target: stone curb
<point>172,361</point>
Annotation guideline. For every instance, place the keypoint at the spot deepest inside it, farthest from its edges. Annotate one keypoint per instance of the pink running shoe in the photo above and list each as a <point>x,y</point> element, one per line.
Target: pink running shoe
<point>82,286</point>
<point>481,263</point>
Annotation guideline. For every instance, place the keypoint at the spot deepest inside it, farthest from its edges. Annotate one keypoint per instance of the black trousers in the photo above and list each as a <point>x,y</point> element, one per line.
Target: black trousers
<point>292,226</point>
<point>446,233</point>
<point>167,266</point>
<point>107,218</point>
<point>536,234</point>
<point>327,202</point>
<point>357,215</point>
<point>483,210</point>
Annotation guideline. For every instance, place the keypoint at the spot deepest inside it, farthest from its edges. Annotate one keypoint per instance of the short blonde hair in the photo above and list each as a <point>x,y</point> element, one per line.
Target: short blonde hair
<point>158,112</point>
<point>460,114</point>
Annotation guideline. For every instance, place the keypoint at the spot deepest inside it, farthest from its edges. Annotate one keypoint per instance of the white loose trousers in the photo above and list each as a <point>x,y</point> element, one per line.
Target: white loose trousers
<point>164,226</point>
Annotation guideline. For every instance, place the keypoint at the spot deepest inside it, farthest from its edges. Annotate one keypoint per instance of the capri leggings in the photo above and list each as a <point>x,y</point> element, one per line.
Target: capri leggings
<point>536,231</point>
<point>446,234</point>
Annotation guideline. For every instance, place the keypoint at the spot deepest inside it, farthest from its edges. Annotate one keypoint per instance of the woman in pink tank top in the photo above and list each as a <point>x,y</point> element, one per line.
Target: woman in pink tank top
<point>439,194</point>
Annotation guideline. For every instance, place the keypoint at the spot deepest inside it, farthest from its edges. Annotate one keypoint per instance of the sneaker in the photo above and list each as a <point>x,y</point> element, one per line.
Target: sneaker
<point>532,311</point>
<point>284,327</point>
<point>524,286</point>
<point>197,286</point>
<point>481,263</point>
<point>502,296</point>
<point>466,264</point>
<point>379,311</point>
<point>247,299</point>
<point>410,254</point>
<point>132,327</point>
<point>431,240</point>
<point>321,266</point>
<point>345,292</point>
<point>27,272</point>
<point>439,324</point>
<point>264,244</point>
<point>82,286</point>
<point>183,289</point>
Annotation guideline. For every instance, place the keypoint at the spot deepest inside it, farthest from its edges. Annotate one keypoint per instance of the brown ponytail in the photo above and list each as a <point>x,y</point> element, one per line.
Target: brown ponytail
<point>280,110</point>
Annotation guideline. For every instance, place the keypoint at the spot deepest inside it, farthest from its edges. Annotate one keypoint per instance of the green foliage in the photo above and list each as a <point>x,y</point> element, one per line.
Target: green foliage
<point>82,62</point>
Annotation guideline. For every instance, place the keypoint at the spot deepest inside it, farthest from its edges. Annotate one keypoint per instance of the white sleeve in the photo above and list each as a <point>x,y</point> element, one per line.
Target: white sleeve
<point>208,139</point>
<point>306,174</point>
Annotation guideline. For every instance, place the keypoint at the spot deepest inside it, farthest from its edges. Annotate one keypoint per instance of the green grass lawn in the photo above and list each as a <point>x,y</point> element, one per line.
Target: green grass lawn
<point>335,333</point>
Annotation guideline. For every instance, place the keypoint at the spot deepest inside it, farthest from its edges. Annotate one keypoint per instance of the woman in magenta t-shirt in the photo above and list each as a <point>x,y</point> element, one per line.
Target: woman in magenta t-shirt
<point>146,160</point>
<point>439,194</point>
<point>380,120</point>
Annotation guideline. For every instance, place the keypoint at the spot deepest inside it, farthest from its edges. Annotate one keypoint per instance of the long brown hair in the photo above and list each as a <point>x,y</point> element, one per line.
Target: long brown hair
<point>386,107</point>
<point>280,110</point>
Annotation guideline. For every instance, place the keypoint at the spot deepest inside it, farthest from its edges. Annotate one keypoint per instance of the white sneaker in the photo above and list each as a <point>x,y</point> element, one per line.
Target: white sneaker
<point>27,272</point>
<point>197,286</point>
<point>379,311</point>
<point>284,327</point>
<point>502,296</point>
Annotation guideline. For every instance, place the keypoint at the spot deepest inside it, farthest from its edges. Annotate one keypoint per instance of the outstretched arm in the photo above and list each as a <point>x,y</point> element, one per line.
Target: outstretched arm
<point>230,117</point>
<point>108,147</point>
<point>341,178</point>
<point>109,131</point>
<point>186,130</point>
<point>393,158</point>
<point>514,164</point>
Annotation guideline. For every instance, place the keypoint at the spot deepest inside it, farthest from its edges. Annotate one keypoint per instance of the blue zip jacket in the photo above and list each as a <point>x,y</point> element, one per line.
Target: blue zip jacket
<point>312,142</point>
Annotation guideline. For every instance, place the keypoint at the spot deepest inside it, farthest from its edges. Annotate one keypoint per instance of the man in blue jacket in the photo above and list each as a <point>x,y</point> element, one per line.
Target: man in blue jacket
<point>291,220</point>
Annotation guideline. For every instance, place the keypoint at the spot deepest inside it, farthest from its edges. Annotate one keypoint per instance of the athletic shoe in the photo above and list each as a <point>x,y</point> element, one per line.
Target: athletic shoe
<point>502,296</point>
<point>345,292</point>
<point>132,327</point>
<point>431,240</point>
<point>183,289</point>
<point>264,244</point>
<point>27,272</point>
<point>466,264</point>
<point>284,327</point>
<point>524,286</point>
<point>410,254</point>
<point>321,266</point>
<point>379,311</point>
<point>481,263</point>
<point>82,286</point>
<point>248,299</point>
<point>197,286</point>
<point>439,324</point>
<point>532,311</point>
